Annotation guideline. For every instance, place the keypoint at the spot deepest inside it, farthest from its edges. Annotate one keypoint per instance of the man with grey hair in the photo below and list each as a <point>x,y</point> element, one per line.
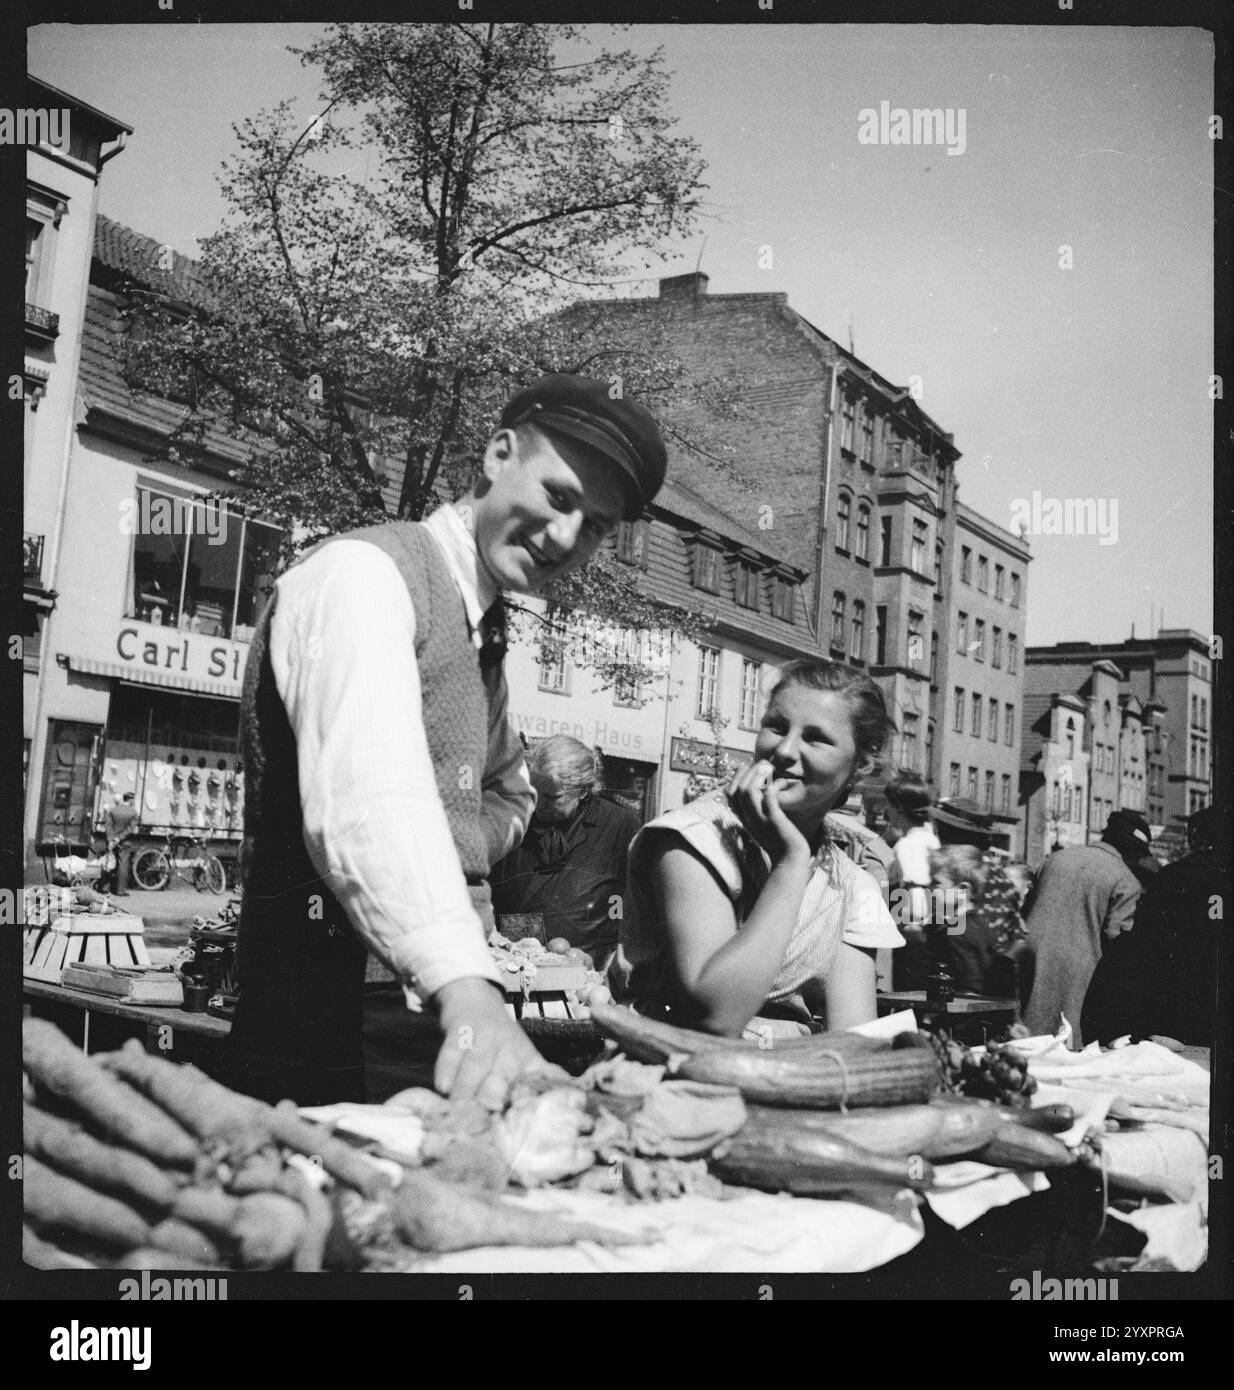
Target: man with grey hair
<point>571,866</point>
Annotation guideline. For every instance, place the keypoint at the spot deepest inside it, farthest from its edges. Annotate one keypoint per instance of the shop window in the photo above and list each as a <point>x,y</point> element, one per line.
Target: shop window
<point>198,566</point>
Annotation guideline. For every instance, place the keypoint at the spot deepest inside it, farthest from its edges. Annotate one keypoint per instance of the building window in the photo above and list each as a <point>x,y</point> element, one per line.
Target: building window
<point>989,791</point>
<point>1013,653</point>
<point>1009,725</point>
<point>966,564</point>
<point>961,633</point>
<point>1204,713</point>
<point>917,556</point>
<point>933,658</point>
<point>632,543</point>
<point>863,532</point>
<point>992,722</point>
<point>199,567</point>
<point>782,598</point>
<point>938,562</point>
<point>958,724</point>
<point>996,655</point>
<point>1195,709</point>
<point>916,639</point>
<point>706,568</point>
<point>1000,582</point>
<point>708,681</point>
<point>929,748</point>
<point>751,680</point>
<point>837,620</point>
<point>846,429</point>
<point>627,690</point>
<point>974,727</point>
<point>983,575</point>
<point>746,580</point>
<point>953,780</point>
<point>1015,591</point>
<point>979,639</point>
<point>867,436</point>
<point>880,635</point>
<point>884,543</point>
<point>909,737</point>
<point>856,645</point>
<point>1070,739</point>
<point>844,509</point>
<point>1005,805</point>
<point>555,670</point>
<point>972,785</point>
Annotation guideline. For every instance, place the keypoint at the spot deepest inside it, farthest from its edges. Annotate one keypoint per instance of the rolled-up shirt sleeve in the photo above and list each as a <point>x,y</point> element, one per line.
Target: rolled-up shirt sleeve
<point>342,649</point>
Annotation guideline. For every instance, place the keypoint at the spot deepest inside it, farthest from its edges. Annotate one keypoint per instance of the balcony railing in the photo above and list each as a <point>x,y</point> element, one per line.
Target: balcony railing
<point>42,323</point>
<point>32,558</point>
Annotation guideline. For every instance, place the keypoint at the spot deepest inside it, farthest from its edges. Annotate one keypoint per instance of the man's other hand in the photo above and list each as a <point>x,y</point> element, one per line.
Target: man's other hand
<point>483,1049</point>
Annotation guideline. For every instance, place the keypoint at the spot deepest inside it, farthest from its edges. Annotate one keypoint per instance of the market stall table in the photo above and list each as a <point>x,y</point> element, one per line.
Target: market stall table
<point>163,1029</point>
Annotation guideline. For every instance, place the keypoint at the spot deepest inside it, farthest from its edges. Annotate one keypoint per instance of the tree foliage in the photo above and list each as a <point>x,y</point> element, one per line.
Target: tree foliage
<point>390,270</point>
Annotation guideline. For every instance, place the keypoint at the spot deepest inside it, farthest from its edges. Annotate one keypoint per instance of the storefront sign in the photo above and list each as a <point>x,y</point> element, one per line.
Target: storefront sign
<point>696,755</point>
<point>146,646</point>
<point>596,733</point>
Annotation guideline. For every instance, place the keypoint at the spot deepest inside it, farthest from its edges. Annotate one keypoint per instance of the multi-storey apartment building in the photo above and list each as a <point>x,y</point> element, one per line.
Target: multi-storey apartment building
<point>1160,720</point>
<point>861,483</point>
<point>71,144</point>
<point>980,672</point>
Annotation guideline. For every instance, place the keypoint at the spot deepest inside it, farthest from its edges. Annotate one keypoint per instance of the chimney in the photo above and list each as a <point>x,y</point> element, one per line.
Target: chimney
<point>691,286</point>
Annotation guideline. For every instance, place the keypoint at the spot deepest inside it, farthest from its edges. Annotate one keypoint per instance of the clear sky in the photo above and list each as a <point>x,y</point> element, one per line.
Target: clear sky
<point>1089,382</point>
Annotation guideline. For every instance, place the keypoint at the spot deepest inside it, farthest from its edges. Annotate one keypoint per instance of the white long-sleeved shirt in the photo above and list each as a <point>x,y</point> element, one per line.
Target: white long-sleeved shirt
<point>342,650</point>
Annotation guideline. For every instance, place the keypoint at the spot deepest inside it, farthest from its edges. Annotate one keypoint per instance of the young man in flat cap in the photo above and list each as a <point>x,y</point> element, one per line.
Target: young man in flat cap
<point>1084,897</point>
<point>383,776</point>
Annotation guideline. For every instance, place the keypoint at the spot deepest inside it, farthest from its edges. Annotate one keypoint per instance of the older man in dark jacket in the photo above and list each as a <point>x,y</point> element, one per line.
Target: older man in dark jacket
<point>1085,896</point>
<point>1162,977</point>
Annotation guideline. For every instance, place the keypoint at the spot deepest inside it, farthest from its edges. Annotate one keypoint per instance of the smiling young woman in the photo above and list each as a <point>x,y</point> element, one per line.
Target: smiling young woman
<point>744,913</point>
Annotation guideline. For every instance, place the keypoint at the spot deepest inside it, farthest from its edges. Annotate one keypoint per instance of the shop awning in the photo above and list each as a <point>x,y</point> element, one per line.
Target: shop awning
<point>137,675</point>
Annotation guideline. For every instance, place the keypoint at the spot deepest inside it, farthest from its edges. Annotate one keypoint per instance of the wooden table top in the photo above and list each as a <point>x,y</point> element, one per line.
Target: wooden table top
<point>204,1024</point>
<point>965,1004</point>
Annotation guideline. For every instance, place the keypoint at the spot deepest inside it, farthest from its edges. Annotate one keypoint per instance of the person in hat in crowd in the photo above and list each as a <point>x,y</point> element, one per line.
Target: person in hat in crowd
<point>1160,979</point>
<point>1085,897</point>
<point>571,866</point>
<point>980,901</point>
<point>120,826</point>
<point>384,778</point>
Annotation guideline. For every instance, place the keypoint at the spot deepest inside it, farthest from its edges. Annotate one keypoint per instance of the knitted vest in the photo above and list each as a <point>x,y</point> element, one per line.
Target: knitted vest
<point>297,1031</point>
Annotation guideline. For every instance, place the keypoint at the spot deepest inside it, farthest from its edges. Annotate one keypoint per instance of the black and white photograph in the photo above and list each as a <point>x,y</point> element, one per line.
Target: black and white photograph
<point>621,646</point>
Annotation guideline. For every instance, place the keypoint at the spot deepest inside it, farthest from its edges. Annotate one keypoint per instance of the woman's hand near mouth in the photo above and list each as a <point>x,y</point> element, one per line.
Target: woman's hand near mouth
<point>754,793</point>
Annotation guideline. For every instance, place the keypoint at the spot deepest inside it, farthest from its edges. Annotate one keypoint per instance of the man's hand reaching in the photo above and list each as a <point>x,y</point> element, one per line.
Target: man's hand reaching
<point>483,1050</point>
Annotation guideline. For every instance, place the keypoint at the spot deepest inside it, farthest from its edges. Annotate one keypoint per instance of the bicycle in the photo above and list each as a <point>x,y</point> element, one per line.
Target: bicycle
<point>181,856</point>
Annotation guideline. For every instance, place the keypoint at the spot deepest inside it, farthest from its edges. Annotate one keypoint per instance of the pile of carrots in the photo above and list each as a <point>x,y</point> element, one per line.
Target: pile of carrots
<point>132,1161</point>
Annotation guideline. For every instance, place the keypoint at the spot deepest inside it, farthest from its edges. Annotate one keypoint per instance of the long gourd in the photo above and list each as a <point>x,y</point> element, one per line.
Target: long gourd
<point>897,1130</point>
<point>812,1163</point>
<point>821,1079</point>
<point>650,1040</point>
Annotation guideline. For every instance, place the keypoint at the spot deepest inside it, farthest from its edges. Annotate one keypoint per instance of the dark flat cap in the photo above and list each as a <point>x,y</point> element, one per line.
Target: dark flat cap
<point>1127,828</point>
<point>620,431</point>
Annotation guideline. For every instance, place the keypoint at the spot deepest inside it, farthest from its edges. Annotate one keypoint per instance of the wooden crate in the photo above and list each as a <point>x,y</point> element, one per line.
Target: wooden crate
<point>82,938</point>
